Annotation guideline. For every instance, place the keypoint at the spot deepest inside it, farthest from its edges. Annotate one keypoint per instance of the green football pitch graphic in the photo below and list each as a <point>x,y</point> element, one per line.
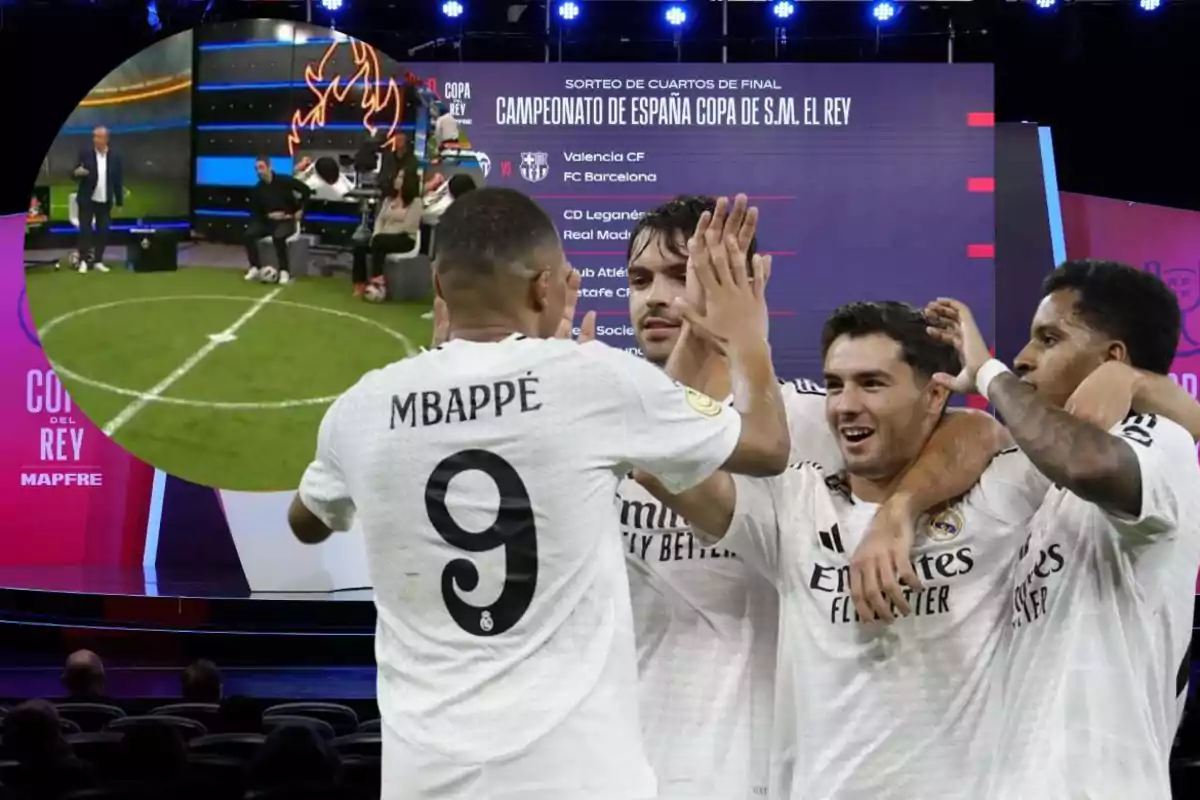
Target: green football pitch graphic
<point>249,369</point>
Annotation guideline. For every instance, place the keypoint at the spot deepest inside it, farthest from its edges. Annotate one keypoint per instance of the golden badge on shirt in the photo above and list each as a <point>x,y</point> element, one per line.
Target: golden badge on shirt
<point>701,402</point>
<point>944,525</point>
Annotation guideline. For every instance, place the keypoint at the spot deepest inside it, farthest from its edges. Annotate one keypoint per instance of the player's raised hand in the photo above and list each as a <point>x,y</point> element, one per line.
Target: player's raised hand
<point>587,328</point>
<point>735,303</point>
<point>566,327</point>
<point>441,322</point>
<point>951,322</point>
<point>740,220</point>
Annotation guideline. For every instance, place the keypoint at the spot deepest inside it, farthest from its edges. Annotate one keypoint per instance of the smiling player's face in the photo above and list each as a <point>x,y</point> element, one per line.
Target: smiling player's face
<point>880,411</point>
<point>657,275</point>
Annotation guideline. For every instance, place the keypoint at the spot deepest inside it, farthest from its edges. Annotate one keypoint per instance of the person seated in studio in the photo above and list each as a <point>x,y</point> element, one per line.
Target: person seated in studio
<point>276,206</point>
<point>324,177</point>
<point>397,223</point>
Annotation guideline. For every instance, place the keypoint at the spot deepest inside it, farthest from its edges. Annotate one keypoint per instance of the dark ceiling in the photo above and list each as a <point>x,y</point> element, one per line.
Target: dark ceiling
<point>1116,84</point>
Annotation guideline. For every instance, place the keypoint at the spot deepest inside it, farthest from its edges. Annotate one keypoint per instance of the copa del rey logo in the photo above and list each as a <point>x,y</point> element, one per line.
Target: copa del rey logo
<point>535,166</point>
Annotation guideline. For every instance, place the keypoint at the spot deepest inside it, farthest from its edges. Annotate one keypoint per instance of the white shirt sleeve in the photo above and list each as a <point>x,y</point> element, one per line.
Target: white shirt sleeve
<point>1011,488</point>
<point>760,513</point>
<point>323,489</point>
<point>677,434</point>
<point>812,439</point>
<point>1166,454</point>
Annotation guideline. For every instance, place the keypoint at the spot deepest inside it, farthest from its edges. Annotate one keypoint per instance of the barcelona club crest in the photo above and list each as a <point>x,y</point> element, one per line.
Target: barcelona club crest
<point>535,166</point>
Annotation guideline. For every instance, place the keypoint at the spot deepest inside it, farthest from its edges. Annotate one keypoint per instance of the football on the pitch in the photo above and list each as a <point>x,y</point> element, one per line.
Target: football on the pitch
<point>374,293</point>
<point>269,275</point>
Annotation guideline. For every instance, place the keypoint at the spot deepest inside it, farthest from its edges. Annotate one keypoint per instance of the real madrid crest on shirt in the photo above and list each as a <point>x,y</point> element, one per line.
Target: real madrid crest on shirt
<point>944,525</point>
<point>701,402</point>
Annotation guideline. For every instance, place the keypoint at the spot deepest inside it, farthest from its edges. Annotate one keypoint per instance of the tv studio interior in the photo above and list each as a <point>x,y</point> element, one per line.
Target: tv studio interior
<point>190,116</point>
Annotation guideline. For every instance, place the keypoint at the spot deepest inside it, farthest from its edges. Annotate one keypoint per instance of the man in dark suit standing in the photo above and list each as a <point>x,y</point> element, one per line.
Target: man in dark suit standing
<point>101,186</point>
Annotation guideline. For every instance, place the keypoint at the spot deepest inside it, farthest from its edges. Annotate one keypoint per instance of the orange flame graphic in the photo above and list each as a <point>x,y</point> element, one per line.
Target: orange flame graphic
<point>379,94</point>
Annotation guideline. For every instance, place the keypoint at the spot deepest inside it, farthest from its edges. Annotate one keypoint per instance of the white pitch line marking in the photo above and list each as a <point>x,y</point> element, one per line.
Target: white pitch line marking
<point>221,405</point>
<point>133,409</point>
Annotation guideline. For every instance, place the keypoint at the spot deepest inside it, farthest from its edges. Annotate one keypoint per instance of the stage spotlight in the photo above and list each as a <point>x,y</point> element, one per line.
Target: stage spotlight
<point>676,16</point>
<point>331,5</point>
<point>152,18</point>
<point>453,9</point>
<point>568,11</point>
<point>784,9</point>
<point>883,12</point>
<point>1149,5</point>
<point>1044,4</point>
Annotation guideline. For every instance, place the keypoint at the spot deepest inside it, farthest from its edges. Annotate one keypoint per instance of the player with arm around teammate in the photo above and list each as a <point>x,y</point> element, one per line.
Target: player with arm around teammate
<point>706,621</point>
<point>1105,585</point>
<point>869,708</point>
<point>482,473</point>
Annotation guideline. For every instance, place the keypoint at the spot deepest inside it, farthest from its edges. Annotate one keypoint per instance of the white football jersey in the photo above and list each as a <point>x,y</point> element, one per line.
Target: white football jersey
<point>875,711</point>
<point>1102,619</point>
<point>705,623</point>
<point>483,475</point>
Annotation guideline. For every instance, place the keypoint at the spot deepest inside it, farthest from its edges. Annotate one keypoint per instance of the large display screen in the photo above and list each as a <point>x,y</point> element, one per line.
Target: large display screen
<point>874,181</point>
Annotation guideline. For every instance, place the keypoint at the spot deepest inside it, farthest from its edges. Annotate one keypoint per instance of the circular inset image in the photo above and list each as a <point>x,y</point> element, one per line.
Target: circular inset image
<point>231,229</point>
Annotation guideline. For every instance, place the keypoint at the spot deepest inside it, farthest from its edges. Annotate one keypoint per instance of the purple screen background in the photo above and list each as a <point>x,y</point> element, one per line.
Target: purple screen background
<point>879,208</point>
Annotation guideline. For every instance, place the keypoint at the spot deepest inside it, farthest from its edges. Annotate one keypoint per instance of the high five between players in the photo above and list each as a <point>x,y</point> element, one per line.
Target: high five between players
<point>483,474</point>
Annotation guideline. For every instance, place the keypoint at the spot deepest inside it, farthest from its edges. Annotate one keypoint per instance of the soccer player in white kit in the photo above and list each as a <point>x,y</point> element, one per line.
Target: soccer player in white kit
<point>1105,587</point>
<point>867,710</point>
<point>483,474</point>
<point>705,620</point>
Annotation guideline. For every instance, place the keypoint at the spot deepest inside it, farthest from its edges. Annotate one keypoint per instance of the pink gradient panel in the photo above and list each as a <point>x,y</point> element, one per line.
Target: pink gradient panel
<point>70,496</point>
<point>1165,241</point>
